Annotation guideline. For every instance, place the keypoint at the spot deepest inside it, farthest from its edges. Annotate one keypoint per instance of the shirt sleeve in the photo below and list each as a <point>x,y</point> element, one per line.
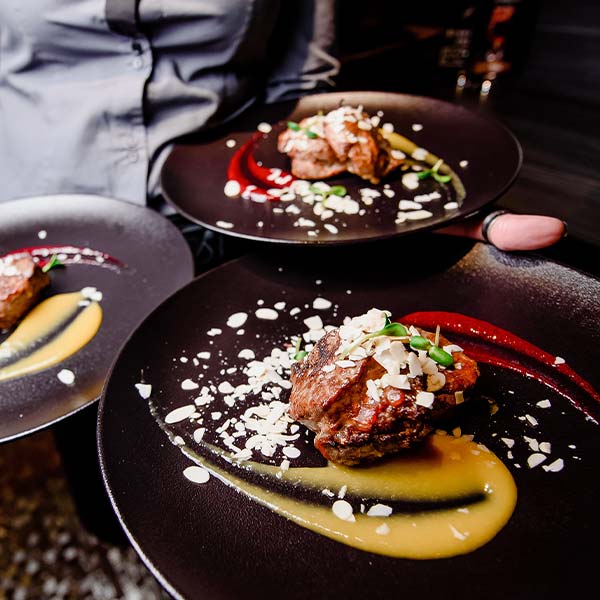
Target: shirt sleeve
<point>303,45</point>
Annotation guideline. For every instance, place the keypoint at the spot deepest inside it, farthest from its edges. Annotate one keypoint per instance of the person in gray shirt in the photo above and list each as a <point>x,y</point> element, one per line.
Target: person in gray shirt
<point>93,93</point>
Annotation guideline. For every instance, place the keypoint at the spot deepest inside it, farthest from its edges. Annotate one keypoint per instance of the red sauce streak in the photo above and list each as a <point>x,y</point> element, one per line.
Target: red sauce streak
<point>69,255</point>
<point>496,336</point>
<point>254,179</point>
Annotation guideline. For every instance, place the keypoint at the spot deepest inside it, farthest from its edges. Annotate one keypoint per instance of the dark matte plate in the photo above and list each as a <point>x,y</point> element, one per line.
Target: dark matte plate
<point>158,261</point>
<point>193,176</point>
<point>211,542</point>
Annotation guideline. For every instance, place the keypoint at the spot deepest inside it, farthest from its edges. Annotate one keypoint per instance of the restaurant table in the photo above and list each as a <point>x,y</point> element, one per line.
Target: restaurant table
<point>58,535</point>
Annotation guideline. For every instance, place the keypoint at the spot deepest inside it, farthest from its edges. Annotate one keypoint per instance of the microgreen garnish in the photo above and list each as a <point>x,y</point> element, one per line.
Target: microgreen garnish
<point>295,127</point>
<point>334,190</point>
<point>52,263</point>
<point>389,329</point>
<point>299,354</point>
<point>433,172</point>
<point>418,342</point>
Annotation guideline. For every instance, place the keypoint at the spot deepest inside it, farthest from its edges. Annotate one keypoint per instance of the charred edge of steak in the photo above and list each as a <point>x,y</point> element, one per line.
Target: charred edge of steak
<point>19,292</point>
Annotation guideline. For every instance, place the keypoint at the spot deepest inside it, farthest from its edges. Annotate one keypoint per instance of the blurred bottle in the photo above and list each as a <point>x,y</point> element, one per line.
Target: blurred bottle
<point>489,43</point>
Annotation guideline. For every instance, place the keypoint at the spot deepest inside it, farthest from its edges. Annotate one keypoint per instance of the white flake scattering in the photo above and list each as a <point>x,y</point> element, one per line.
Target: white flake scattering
<point>420,154</point>
<point>196,474</point>
<point>555,466</point>
<point>416,127</point>
<point>188,384</point>
<point>144,390</point>
<point>203,355</point>
<point>91,293</point>
<point>343,510</point>
<point>463,163</point>
<point>532,420</point>
<point>66,376</point>
<point>321,304</point>
<point>264,127</point>
<point>535,459</point>
<point>232,188</point>
<point>214,331</point>
<point>230,143</point>
<point>180,414</point>
<point>544,404</point>
<point>559,360</point>
<point>410,181</point>
<point>379,510</point>
<point>236,320</point>
<point>383,529</point>
<point>246,354</point>
<point>42,233</point>
<point>508,441</point>
<point>268,314</point>
<point>314,323</point>
<point>425,399</point>
<point>224,224</point>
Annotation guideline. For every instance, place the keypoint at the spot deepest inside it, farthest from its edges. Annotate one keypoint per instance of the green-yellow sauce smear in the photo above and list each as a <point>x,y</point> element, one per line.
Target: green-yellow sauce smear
<point>51,332</point>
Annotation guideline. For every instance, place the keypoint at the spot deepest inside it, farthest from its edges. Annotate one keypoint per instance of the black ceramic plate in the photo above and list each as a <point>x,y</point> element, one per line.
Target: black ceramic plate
<point>156,261</point>
<point>194,176</point>
<point>210,541</point>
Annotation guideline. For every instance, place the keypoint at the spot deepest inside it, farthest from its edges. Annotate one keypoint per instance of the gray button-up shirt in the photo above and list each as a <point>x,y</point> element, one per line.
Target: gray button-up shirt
<point>94,92</point>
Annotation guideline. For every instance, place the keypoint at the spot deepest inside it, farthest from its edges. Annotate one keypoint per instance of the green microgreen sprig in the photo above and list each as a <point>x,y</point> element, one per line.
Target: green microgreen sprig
<point>433,172</point>
<point>295,127</point>
<point>334,190</point>
<point>52,263</point>
<point>299,354</point>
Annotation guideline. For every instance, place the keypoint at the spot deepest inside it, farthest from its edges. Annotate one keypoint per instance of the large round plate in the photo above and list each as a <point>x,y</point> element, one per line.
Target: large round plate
<point>194,175</point>
<point>210,541</point>
<point>157,261</point>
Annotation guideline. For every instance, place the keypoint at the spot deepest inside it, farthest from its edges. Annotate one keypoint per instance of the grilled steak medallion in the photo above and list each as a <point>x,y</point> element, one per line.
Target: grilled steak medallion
<point>21,281</point>
<point>382,397</point>
<point>344,139</point>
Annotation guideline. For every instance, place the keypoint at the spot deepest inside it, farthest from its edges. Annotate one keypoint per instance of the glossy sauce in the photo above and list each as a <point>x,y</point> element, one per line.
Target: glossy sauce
<point>448,469</point>
<point>51,332</point>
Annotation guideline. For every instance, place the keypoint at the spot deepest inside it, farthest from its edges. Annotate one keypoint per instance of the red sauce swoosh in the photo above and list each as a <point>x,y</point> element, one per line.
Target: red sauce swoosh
<point>254,179</point>
<point>70,255</point>
<point>497,337</point>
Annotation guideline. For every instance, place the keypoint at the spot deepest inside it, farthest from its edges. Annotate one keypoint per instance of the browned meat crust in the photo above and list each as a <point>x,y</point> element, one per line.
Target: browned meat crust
<point>21,281</point>
<point>350,426</point>
<point>345,141</point>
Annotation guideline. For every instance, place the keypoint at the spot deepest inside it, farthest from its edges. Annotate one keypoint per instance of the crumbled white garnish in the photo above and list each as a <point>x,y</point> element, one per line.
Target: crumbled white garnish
<point>410,181</point>
<point>387,127</point>
<point>314,323</point>
<point>555,466</point>
<point>418,215</point>
<point>203,355</point>
<point>291,452</point>
<point>451,206</point>
<point>264,127</point>
<point>91,293</point>
<point>224,224</point>
<point>508,441</point>
<point>458,534</point>
<point>409,205</point>
<point>343,510</point>
<point>463,163</point>
<point>379,510</point>
<point>144,390</point>
<point>416,127</point>
<point>532,420</point>
<point>188,384</point>
<point>42,233</point>
<point>321,303</point>
<point>230,143</point>
<point>544,404</point>
<point>196,474</point>
<point>179,414</point>
<point>535,459</point>
<point>225,387</point>
<point>236,320</point>
<point>66,376</point>
<point>420,154</point>
<point>199,434</point>
<point>214,331</point>
<point>246,354</point>
<point>558,360</point>
<point>342,492</point>
<point>232,188</point>
<point>425,399</point>
<point>327,493</point>
<point>266,313</point>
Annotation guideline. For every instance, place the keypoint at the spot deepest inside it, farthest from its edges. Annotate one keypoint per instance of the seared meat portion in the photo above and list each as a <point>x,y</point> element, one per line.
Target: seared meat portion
<point>21,281</point>
<point>370,408</point>
<point>342,140</point>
